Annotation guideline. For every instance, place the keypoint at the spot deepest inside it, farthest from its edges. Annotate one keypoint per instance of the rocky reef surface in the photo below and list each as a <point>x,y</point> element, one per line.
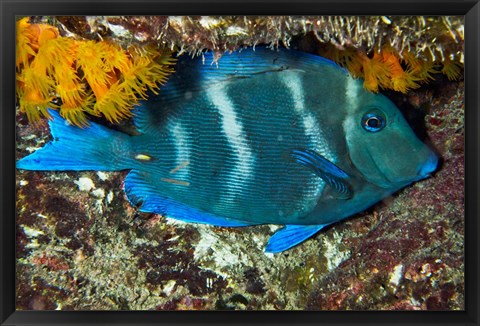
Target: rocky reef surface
<point>81,246</point>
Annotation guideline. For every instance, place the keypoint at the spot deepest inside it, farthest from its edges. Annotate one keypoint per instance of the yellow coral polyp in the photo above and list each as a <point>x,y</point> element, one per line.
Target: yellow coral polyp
<point>370,72</point>
<point>115,57</point>
<point>148,70</point>
<point>30,37</point>
<point>34,104</point>
<point>75,101</point>
<point>73,108</point>
<point>34,77</point>
<point>386,68</point>
<point>97,70</point>
<point>88,77</point>
<point>452,69</point>
<point>114,107</point>
<point>44,32</point>
<point>24,50</point>
<point>422,69</point>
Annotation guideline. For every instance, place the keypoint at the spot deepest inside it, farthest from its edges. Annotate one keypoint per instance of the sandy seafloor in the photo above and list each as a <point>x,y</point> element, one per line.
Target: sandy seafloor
<point>81,246</point>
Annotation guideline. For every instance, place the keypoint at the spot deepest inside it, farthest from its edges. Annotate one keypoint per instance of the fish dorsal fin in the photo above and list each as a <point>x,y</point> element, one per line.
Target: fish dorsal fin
<point>249,62</point>
<point>290,236</point>
<point>147,198</point>
<point>192,74</point>
<point>335,177</point>
<point>202,72</point>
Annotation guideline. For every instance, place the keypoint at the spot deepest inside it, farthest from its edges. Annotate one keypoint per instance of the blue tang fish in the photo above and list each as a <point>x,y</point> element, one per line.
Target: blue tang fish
<point>264,137</point>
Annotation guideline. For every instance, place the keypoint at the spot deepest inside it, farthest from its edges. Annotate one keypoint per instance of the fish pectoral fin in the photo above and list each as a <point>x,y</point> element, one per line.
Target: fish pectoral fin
<point>335,177</point>
<point>290,236</point>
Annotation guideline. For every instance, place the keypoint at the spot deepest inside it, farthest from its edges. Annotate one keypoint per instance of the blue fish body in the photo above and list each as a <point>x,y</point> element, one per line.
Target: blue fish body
<point>265,137</point>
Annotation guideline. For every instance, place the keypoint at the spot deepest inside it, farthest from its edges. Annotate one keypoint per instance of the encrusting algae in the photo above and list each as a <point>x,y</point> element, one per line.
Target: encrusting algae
<point>80,77</point>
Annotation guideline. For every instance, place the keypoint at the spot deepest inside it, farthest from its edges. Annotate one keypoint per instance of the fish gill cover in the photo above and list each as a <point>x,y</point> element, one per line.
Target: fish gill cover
<point>380,260</point>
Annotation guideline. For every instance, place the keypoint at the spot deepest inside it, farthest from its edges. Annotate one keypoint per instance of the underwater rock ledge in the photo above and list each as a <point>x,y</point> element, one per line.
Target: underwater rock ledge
<point>442,35</point>
<point>76,230</point>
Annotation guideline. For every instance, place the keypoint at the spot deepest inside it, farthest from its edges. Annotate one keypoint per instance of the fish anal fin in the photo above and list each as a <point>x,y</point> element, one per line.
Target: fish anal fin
<point>290,236</point>
<point>141,193</point>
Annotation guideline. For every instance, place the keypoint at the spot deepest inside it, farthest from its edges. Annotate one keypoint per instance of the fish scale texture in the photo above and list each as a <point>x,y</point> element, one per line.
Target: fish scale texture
<point>239,160</point>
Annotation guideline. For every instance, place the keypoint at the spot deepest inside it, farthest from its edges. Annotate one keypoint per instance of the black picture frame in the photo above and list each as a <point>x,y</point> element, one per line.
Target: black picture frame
<point>12,8</point>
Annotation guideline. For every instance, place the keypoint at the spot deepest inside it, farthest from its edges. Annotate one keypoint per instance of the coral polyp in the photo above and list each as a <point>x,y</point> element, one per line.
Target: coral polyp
<point>386,68</point>
<point>80,77</point>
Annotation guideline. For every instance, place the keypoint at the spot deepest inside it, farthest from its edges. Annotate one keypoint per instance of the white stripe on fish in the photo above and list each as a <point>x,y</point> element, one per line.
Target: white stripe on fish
<point>293,82</point>
<point>351,93</point>
<point>233,130</point>
<point>182,150</point>
<point>352,89</point>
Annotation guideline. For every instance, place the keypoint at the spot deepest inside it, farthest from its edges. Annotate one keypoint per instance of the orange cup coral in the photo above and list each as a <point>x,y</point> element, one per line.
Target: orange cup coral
<point>87,77</point>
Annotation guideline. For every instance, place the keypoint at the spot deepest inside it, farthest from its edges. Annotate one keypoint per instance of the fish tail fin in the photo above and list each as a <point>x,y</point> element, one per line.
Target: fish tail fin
<point>72,148</point>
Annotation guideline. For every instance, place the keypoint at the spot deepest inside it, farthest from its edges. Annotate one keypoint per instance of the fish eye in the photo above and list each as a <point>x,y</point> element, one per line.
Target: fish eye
<point>373,122</point>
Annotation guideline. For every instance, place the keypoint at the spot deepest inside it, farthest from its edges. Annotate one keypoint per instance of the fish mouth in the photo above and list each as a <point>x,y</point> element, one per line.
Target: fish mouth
<point>386,182</point>
<point>426,169</point>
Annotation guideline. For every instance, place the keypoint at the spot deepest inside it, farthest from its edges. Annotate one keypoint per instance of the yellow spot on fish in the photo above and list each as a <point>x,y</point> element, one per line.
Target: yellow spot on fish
<point>175,181</point>
<point>143,157</point>
<point>386,20</point>
<point>180,166</point>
